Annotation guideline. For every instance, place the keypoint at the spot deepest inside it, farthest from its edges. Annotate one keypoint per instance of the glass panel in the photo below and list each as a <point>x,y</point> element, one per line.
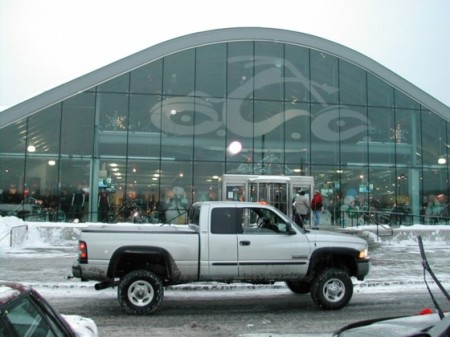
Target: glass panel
<point>11,181</point>
<point>403,101</point>
<point>206,181</point>
<point>324,135</point>
<point>240,70</point>
<point>239,121</point>
<point>352,81</point>
<point>269,71</point>
<point>176,190</point>
<point>324,78</point>
<point>177,124</point>
<point>112,112</point>
<point>179,73</point>
<point>381,136</point>
<point>379,92</point>
<point>435,188</point>
<point>43,131</point>
<point>211,65</point>
<point>328,182</point>
<point>296,139</point>
<point>269,138</point>
<point>209,129</point>
<point>13,137</point>
<point>41,188</point>
<point>434,136</point>
<point>143,202</point>
<point>112,181</point>
<point>145,137</point>
<point>118,84</point>
<point>382,189</point>
<point>75,188</point>
<point>353,134</point>
<point>296,74</point>
<point>77,129</point>
<point>354,195</point>
<point>406,136</point>
<point>147,79</point>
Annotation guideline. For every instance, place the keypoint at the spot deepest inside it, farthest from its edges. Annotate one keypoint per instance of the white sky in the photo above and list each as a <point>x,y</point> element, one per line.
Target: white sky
<point>45,43</point>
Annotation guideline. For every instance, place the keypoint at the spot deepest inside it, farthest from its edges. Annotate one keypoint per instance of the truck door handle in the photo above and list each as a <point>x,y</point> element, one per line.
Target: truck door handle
<point>244,243</point>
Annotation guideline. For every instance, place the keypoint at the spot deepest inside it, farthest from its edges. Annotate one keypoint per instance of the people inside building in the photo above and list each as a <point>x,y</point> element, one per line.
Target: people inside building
<point>301,206</point>
<point>103,205</point>
<point>316,209</point>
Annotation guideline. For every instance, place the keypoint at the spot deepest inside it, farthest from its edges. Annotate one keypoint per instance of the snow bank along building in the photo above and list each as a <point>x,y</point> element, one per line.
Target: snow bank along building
<point>169,125</point>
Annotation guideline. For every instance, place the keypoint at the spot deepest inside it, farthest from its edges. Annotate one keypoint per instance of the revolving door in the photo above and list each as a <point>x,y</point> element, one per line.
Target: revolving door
<point>278,191</point>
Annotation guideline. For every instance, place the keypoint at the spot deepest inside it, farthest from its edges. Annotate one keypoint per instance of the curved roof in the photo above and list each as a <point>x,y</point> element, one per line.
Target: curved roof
<point>148,55</point>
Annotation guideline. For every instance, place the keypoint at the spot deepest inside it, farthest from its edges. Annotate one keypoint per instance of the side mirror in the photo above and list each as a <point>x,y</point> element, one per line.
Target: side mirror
<point>289,229</point>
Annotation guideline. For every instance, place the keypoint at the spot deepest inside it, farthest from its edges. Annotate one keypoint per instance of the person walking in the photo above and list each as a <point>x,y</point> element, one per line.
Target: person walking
<point>301,206</point>
<point>316,209</point>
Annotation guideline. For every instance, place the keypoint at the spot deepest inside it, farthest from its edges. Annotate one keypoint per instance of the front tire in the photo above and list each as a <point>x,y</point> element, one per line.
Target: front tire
<point>140,292</point>
<point>299,287</point>
<point>332,289</point>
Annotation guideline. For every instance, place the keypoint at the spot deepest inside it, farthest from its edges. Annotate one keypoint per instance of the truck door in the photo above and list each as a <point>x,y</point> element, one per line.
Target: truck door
<point>222,243</point>
<point>266,251</point>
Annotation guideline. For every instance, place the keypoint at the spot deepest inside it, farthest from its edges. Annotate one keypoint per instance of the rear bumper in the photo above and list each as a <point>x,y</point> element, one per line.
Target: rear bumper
<point>76,270</point>
<point>86,272</point>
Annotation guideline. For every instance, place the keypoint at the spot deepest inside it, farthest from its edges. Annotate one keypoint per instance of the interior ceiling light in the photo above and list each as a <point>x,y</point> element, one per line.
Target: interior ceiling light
<point>31,148</point>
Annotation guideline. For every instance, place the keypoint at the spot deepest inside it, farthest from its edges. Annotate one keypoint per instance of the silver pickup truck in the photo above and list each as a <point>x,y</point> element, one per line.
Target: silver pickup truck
<point>225,242</point>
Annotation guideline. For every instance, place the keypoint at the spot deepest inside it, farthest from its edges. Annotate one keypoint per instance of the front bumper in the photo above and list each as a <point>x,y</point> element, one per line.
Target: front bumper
<point>362,268</point>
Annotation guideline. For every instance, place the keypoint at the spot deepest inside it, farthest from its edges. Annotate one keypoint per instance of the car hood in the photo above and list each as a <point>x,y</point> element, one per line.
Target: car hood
<point>393,327</point>
<point>323,236</point>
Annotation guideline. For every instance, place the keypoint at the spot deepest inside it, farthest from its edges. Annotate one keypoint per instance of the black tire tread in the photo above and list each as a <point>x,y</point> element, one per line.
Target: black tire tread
<point>319,282</point>
<point>133,276</point>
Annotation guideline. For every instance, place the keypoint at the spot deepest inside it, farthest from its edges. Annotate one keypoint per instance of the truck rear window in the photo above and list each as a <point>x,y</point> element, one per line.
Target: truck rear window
<point>194,215</point>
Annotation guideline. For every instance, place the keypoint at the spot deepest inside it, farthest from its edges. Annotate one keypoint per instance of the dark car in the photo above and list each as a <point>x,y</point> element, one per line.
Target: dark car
<point>24,312</point>
<point>427,324</point>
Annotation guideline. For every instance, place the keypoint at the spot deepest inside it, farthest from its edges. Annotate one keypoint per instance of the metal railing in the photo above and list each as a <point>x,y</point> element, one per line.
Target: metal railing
<point>12,234</point>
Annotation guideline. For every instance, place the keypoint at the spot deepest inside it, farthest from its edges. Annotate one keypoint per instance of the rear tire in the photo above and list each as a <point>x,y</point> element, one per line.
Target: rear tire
<point>332,289</point>
<point>299,287</point>
<point>140,292</point>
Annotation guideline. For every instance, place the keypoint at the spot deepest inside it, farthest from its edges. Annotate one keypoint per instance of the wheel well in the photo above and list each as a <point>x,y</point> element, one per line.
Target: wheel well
<point>157,261</point>
<point>328,259</point>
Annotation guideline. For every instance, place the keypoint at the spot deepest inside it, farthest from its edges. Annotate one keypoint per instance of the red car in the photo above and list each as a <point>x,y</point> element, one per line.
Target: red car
<point>24,312</point>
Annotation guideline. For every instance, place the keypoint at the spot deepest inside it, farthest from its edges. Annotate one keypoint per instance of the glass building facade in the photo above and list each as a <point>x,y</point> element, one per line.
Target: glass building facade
<point>154,130</point>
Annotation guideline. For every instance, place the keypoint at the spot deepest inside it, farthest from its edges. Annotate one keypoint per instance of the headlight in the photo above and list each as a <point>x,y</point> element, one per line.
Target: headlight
<point>363,254</point>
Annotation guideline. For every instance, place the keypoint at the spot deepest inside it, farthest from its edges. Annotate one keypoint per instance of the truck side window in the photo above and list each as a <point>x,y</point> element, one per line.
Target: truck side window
<point>263,221</point>
<point>223,221</point>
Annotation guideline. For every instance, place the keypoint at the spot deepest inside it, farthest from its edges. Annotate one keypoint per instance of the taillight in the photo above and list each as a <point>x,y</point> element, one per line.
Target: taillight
<point>82,252</point>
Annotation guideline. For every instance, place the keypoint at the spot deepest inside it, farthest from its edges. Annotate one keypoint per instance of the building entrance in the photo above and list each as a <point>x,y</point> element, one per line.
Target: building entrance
<point>278,191</point>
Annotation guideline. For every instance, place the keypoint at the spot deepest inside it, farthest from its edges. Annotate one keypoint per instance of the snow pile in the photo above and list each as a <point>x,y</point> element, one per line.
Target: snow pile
<point>16,234</point>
